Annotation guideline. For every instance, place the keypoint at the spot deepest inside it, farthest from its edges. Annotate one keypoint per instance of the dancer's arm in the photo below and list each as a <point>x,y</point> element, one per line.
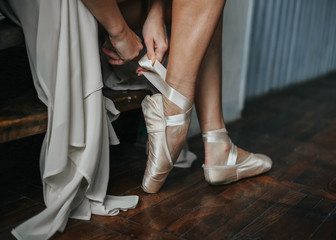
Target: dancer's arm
<point>125,42</point>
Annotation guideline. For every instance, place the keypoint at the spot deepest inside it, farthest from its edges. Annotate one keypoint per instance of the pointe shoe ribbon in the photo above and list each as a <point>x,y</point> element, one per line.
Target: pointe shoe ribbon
<point>160,162</point>
<point>253,165</point>
<point>156,74</point>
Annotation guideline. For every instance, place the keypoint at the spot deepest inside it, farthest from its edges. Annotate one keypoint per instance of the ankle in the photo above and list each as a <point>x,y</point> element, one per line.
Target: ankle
<point>210,121</point>
<point>183,87</point>
<point>212,125</point>
<point>216,153</point>
<point>170,108</point>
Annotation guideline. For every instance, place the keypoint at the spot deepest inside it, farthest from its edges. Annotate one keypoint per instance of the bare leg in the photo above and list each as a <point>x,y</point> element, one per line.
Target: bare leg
<point>183,77</point>
<point>193,24</point>
<point>208,100</point>
<point>193,27</point>
<point>209,84</point>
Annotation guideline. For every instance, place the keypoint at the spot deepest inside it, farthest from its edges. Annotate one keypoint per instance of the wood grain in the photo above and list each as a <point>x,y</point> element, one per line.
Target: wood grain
<point>295,200</point>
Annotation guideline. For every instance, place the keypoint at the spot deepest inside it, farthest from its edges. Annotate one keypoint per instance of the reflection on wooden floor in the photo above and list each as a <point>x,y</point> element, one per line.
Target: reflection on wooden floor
<point>295,200</point>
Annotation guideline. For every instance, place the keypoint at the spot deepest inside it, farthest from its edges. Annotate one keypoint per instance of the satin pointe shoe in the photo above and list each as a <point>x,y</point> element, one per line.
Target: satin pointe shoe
<point>253,165</point>
<point>160,160</point>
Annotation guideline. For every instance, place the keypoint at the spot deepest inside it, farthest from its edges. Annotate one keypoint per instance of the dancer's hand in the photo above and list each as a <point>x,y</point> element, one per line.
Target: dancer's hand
<point>122,47</point>
<point>123,44</point>
<point>155,35</point>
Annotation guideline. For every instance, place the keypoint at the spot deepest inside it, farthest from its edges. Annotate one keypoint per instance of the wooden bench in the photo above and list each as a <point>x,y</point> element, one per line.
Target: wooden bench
<point>22,114</point>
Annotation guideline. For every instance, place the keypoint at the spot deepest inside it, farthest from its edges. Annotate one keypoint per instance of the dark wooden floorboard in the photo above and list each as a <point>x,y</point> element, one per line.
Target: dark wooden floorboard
<point>295,200</point>
<point>300,221</point>
<point>327,228</point>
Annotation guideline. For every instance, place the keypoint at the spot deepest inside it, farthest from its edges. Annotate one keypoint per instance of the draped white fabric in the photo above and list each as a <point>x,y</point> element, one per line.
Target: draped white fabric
<point>62,45</point>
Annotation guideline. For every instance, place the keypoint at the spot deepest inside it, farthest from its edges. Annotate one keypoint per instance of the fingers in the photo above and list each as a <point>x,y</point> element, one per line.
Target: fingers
<point>124,50</point>
<point>161,51</point>
<point>112,54</point>
<point>150,49</point>
<point>139,44</point>
<point>116,62</point>
<point>156,51</point>
<point>140,70</point>
<point>115,59</point>
<point>128,48</point>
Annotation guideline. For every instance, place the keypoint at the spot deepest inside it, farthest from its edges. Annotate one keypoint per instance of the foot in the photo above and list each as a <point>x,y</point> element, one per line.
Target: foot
<point>176,135</point>
<point>167,118</point>
<point>217,153</point>
<point>225,163</point>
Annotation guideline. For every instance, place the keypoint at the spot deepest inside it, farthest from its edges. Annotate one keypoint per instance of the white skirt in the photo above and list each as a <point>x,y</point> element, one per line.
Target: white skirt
<point>62,44</point>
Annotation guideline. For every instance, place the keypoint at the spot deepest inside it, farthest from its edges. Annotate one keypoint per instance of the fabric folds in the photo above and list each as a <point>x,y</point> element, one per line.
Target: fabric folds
<point>62,45</point>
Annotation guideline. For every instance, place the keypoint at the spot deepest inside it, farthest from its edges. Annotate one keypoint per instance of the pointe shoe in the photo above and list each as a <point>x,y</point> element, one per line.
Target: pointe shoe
<point>253,165</point>
<point>160,161</point>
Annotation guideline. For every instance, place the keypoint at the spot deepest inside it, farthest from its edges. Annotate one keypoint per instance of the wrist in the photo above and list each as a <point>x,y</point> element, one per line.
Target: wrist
<point>156,9</point>
<point>117,31</point>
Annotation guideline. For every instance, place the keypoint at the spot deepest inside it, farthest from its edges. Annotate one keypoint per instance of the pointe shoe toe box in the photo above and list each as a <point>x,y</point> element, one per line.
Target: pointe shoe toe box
<point>254,165</point>
<point>151,185</point>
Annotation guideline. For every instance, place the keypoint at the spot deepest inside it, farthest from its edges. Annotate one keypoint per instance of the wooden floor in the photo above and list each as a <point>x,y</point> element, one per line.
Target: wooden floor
<point>295,200</point>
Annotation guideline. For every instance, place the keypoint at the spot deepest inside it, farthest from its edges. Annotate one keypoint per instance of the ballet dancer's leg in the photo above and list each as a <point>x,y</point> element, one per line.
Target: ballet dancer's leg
<point>224,162</point>
<point>193,24</point>
<point>167,118</point>
<point>208,100</point>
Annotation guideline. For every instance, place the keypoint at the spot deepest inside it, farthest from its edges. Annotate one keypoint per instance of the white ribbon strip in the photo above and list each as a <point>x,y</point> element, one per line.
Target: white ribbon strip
<point>156,74</point>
